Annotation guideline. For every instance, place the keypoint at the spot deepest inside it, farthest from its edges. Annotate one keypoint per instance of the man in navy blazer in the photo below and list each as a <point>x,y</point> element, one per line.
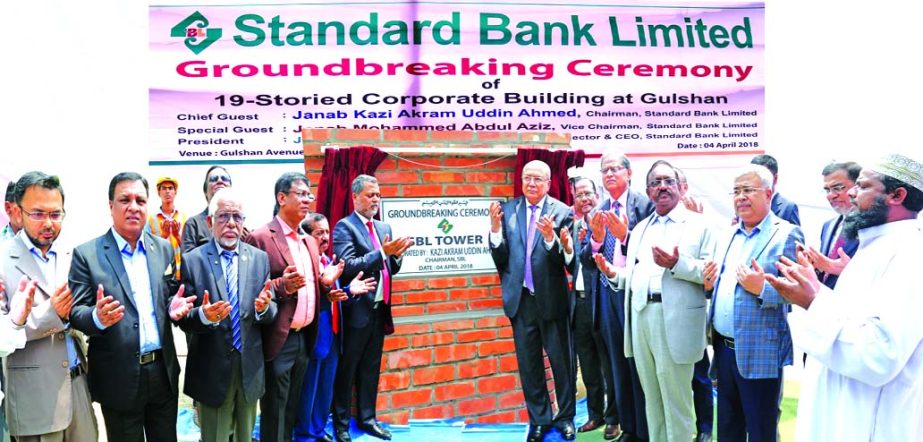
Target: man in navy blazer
<point>365,245</point>
<point>611,223</point>
<point>531,262</point>
<point>829,261</point>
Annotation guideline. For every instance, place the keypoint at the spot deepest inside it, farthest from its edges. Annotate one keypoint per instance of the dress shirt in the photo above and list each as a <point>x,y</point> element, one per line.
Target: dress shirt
<point>664,232</point>
<point>740,251</point>
<point>304,311</point>
<point>497,238</point>
<point>618,258</point>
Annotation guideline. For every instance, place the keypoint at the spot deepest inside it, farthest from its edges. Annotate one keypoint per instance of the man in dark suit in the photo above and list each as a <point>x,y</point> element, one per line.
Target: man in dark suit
<point>122,283</point>
<point>298,284</point>
<point>366,246</point>
<point>608,234</point>
<point>531,262</point>
<point>835,249</point>
<point>781,207</point>
<point>230,282</point>
<point>588,341</point>
<point>196,231</point>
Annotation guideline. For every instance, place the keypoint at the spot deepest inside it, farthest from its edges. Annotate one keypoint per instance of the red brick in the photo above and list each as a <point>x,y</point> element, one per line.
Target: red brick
<point>407,310</point>
<point>466,190</point>
<point>443,177</point>
<point>433,339</point>
<point>532,140</point>
<point>485,304</point>
<point>496,291</point>
<point>405,285</point>
<point>476,406</point>
<point>405,135</point>
<point>434,412</point>
<point>476,335</point>
<point>381,403</point>
<point>358,134</point>
<point>416,163</point>
<point>496,384</point>
<point>311,149</point>
<point>442,283</point>
<point>418,396</point>
<point>409,358</point>
<point>433,375</point>
<point>506,332</point>
<point>395,380</point>
<point>512,399</point>
<point>456,324</point>
<point>452,135</point>
<point>493,321</point>
<point>486,177</point>
<point>498,136</point>
<point>396,343</point>
<point>395,418</point>
<point>445,307</point>
<point>467,161</point>
<point>426,296</point>
<point>422,190</point>
<point>388,164</point>
<point>451,353</point>
<point>411,329</point>
<point>397,299</point>
<point>315,134</point>
<point>477,368</point>
<point>388,191</point>
<point>509,363</point>
<point>472,293</point>
<point>556,138</point>
<point>496,347</point>
<point>398,177</point>
<point>313,176</point>
<point>490,279</point>
<point>522,415</point>
<point>454,391</point>
<point>314,164</point>
<point>501,191</point>
<point>503,417</point>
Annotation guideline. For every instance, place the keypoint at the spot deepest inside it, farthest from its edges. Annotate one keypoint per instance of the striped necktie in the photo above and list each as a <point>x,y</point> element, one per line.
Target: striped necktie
<point>230,273</point>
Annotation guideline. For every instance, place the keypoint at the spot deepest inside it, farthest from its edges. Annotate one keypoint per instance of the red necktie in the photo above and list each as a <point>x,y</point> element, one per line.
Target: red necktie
<point>385,277</point>
<point>334,306</point>
<point>833,253</point>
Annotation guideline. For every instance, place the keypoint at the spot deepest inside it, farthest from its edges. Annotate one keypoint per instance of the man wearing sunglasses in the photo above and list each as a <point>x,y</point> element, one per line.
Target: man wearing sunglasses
<point>196,231</point>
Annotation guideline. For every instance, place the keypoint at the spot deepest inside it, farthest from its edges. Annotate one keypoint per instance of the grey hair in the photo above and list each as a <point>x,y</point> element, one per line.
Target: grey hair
<point>359,183</point>
<point>224,194</point>
<point>762,172</point>
<point>540,165</point>
<point>617,154</point>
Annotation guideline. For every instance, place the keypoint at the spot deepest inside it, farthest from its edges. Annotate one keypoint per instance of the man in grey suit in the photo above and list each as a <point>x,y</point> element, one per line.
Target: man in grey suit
<point>122,282</point>
<point>665,304</point>
<point>46,399</point>
<point>233,298</point>
<point>531,262</point>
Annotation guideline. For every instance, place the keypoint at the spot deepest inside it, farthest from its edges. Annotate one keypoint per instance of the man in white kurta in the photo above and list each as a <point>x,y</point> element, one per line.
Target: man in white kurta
<point>864,375</point>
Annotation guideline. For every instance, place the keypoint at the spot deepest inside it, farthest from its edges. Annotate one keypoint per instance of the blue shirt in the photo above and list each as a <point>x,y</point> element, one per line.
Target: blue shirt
<point>740,251</point>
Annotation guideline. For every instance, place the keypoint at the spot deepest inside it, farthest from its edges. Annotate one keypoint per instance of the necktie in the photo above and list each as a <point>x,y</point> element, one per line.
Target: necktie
<point>334,306</point>
<point>530,234</point>
<point>385,276</point>
<point>230,274</point>
<point>832,253</point>
<point>609,245</point>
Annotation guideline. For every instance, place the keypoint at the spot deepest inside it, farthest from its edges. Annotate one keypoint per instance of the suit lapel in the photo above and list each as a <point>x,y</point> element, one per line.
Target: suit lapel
<point>214,259</point>
<point>244,283</point>
<point>764,240</point>
<point>114,258</point>
<point>25,263</point>
<point>281,243</point>
<point>521,220</point>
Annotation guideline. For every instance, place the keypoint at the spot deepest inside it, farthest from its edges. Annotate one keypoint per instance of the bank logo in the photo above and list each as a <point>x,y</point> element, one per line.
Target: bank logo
<point>194,29</point>
<point>445,226</point>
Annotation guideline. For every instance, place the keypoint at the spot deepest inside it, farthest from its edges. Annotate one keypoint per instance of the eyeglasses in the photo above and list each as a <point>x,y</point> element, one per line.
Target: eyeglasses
<point>584,195</point>
<point>746,191</point>
<point>224,217</point>
<point>215,178</point>
<point>612,169</point>
<point>55,217</point>
<point>533,179</point>
<point>302,195</point>
<point>835,189</point>
<point>661,182</point>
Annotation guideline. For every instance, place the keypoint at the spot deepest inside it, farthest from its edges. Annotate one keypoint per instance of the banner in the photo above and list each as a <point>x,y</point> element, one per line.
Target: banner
<point>240,81</point>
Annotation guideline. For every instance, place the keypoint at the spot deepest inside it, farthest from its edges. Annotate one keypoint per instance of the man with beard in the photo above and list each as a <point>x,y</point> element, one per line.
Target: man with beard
<point>665,303</point>
<point>196,231</point>
<point>863,338</point>
<point>46,399</point>
<point>835,249</point>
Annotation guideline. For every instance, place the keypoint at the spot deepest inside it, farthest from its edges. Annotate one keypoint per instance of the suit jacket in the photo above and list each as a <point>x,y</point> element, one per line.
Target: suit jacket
<point>761,336</point>
<point>639,207</point>
<point>38,382</point>
<point>351,243</point>
<point>681,287</point>
<point>114,372</point>
<point>208,366</point>
<point>785,209</point>
<point>270,239</point>
<point>196,232</point>
<point>548,276</point>
<point>827,240</point>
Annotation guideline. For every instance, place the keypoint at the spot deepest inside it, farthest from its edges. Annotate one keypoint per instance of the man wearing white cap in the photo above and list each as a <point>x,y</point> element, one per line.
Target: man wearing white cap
<point>864,375</point>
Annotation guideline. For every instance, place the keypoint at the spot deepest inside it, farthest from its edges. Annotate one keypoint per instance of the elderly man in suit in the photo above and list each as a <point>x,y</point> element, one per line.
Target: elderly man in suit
<point>750,334</point>
<point>665,304</point>
<point>835,248</point>
<point>45,400</point>
<point>365,245</point>
<point>196,231</point>
<point>531,262</point>
<point>610,229</point>
<point>298,284</point>
<point>233,300</point>
<point>122,283</point>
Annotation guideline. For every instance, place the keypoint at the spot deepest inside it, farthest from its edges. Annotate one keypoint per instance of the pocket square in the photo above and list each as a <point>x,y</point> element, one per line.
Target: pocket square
<point>169,271</point>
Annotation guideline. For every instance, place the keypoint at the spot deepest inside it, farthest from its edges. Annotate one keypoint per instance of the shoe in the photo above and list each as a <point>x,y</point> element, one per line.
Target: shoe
<point>590,425</point>
<point>342,435</point>
<point>568,432</point>
<point>326,437</point>
<point>703,437</point>
<point>374,429</point>
<point>612,431</point>
<point>537,433</point>
<point>626,437</point>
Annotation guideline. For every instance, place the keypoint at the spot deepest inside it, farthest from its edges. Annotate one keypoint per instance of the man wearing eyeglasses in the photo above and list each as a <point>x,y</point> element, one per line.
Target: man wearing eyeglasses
<point>196,231</point>
<point>750,335</point>
<point>298,283</point>
<point>610,227</point>
<point>229,280</point>
<point>835,248</point>
<point>45,398</point>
